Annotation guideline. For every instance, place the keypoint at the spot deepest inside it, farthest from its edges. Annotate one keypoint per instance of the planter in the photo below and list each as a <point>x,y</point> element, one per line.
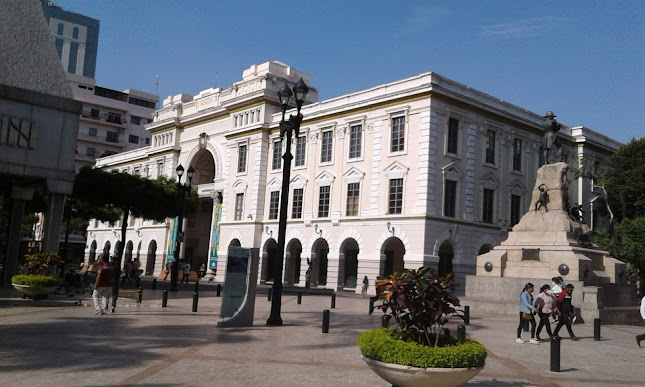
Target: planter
<point>407,376</point>
<point>35,292</point>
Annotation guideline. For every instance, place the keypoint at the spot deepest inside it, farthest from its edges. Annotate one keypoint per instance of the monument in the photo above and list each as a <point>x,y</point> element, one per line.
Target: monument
<point>551,240</point>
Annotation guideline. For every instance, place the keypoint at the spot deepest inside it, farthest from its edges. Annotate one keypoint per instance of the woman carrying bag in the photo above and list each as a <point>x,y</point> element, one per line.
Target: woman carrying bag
<point>526,314</point>
<point>544,306</point>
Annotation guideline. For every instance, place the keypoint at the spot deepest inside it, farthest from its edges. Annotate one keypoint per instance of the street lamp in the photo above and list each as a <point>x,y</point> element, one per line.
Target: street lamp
<point>183,190</point>
<point>287,128</point>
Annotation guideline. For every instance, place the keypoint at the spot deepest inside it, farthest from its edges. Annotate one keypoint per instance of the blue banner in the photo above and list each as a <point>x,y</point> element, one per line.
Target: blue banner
<point>217,216</point>
<point>172,240</point>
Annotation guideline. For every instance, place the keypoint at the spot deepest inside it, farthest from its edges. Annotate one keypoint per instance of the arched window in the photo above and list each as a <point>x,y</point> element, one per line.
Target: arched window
<point>61,28</point>
<point>75,33</point>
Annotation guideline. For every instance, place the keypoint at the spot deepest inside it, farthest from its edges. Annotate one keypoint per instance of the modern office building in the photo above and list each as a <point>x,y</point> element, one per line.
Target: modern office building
<point>420,171</point>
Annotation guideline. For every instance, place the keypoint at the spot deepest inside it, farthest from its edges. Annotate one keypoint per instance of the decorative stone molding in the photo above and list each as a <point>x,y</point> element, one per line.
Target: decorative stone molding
<point>298,182</point>
<point>240,187</point>
<point>489,181</point>
<point>396,170</point>
<point>451,172</point>
<point>274,185</point>
<point>325,179</point>
<point>353,176</point>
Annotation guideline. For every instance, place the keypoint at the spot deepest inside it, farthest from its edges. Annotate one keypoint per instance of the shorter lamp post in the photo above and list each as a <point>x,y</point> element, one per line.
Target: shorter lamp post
<point>287,129</point>
<point>183,190</point>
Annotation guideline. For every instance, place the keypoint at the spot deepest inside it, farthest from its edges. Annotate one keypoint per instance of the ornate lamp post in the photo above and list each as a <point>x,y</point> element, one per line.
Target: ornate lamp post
<point>183,190</point>
<point>287,128</point>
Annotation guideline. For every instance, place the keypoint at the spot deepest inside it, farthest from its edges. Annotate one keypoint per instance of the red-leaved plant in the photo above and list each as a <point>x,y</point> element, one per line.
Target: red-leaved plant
<point>41,264</point>
<point>420,301</point>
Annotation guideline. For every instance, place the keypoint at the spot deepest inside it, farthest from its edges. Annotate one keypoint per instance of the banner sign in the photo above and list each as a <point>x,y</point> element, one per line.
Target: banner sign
<point>217,216</point>
<point>236,280</point>
<point>170,254</point>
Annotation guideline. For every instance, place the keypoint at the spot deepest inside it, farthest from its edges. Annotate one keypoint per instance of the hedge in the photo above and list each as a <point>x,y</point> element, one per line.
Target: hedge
<point>36,280</point>
<point>382,345</point>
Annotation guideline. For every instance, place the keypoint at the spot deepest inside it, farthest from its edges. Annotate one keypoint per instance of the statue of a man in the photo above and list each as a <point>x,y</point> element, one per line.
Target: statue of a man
<point>551,127</point>
<point>543,199</point>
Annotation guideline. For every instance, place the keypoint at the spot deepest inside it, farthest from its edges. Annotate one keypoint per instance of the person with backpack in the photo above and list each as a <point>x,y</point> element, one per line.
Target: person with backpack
<point>544,305</point>
<point>526,314</point>
<point>564,309</point>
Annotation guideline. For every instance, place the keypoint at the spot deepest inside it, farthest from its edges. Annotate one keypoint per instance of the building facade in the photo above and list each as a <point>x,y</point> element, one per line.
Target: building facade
<point>421,171</point>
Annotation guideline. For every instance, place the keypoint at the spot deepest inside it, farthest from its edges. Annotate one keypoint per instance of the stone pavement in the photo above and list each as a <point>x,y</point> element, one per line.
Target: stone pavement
<point>149,345</point>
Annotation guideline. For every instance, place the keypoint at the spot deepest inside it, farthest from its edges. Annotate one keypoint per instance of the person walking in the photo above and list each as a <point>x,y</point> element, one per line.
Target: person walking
<point>526,314</point>
<point>544,305</point>
<point>186,267</point>
<point>640,338</point>
<point>366,283</point>
<point>103,285</point>
<point>564,308</point>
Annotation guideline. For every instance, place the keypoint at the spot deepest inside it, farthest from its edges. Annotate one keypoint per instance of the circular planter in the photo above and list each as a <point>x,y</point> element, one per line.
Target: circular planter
<point>35,292</point>
<point>407,376</point>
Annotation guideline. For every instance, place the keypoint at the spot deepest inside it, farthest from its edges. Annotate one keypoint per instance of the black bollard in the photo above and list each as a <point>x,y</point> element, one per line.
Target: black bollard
<point>325,327</point>
<point>164,300</point>
<point>196,286</point>
<point>219,289</point>
<point>371,306</point>
<point>299,298</point>
<point>466,314</point>
<point>555,354</point>
<point>333,301</point>
<point>461,332</point>
<point>269,295</point>
<point>596,329</point>
<point>195,299</point>
<point>385,321</point>
<point>154,284</point>
<point>139,295</point>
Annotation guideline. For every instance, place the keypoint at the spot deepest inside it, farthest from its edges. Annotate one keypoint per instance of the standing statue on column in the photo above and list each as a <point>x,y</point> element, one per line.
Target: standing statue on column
<point>551,128</point>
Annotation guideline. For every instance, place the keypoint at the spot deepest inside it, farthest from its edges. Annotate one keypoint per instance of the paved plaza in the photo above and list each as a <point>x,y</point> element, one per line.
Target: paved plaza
<point>146,344</point>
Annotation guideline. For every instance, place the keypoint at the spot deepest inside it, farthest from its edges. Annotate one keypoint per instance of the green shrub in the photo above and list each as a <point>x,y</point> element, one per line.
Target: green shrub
<point>382,345</point>
<point>36,280</point>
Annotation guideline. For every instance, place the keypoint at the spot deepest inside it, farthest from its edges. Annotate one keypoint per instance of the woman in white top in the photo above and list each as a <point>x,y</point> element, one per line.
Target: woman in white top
<point>640,338</point>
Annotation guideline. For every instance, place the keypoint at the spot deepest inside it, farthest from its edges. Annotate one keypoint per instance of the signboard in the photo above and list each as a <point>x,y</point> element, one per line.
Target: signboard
<point>530,254</point>
<point>170,254</point>
<point>236,281</point>
<point>217,216</point>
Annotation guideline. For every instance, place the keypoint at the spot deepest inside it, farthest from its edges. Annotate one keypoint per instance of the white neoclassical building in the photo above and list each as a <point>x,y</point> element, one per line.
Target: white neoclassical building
<point>421,171</point>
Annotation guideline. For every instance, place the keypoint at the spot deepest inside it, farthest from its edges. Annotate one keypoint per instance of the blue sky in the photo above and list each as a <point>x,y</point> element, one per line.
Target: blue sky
<point>582,59</point>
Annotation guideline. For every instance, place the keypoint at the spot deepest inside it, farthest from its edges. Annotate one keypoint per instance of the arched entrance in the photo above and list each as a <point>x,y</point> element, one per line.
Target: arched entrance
<point>117,246</point>
<point>92,257</point>
<point>319,263</point>
<point>269,261</point>
<point>292,258</point>
<point>106,248</point>
<point>128,251</point>
<point>446,254</point>
<point>139,251</point>
<point>235,243</point>
<point>392,254</point>
<point>349,263</point>
<point>151,258</point>
<point>484,249</point>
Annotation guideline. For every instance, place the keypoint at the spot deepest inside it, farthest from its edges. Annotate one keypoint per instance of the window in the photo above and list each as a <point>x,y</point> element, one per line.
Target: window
<point>326,147</point>
<point>453,136</point>
<point>323,202</point>
<point>274,204</point>
<point>108,153</point>
<point>134,120</point>
<point>114,117</point>
<point>73,57</point>
<point>450,199</point>
<point>395,201</point>
<point>61,29</point>
<point>301,147</point>
<point>516,201</point>
<point>487,207</point>
<point>91,152</point>
<point>239,206</point>
<point>352,199</point>
<point>241,159</point>
<point>92,132</point>
<point>59,47</point>
<point>147,141</point>
<point>75,33</point>
<point>355,141</point>
<point>112,137</point>
<point>160,168</point>
<point>296,211</point>
<point>277,154</point>
<point>490,147</point>
<point>132,139</point>
<point>94,113</point>
<point>517,154</point>
<point>141,102</point>
<point>398,134</point>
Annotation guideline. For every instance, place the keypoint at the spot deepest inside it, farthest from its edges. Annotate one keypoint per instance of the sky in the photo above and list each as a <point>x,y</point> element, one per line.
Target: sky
<point>584,60</point>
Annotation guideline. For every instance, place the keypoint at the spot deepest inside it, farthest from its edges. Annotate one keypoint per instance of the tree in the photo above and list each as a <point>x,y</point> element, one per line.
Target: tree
<point>625,182</point>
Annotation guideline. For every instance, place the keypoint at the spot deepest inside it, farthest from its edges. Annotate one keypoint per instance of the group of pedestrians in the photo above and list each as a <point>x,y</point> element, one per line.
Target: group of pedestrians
<point>550,302</point>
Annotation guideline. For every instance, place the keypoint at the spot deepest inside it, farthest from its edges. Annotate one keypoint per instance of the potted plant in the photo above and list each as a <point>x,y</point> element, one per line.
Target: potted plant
<point>418,351</point>
<point>38,275</point>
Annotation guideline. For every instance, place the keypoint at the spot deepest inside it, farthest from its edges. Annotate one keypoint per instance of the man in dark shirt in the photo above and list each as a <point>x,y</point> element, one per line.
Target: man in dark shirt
<point>564,308</point>
<point>103,285</point>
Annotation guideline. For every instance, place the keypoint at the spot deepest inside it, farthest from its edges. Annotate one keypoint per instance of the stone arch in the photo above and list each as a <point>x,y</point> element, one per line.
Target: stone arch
<point>293,261</point>
<point>235,243</point>
<point>392,253</point>
<point>326,235</point>
<point>217,160</point>
<point>151,257</point>
<point>269,260</point>
<point>446,255</point>
<point>398,233</point>
<point>348,263</point>
<point>139,250</point>
<point>205,167</point>
<point>353,234</point>
<point>92,256</point>
<point>486,240</point>
<point>319,262</point>
<point>106,247</point>
<point>236,234</point>
<point>127,253</point>
<point>451,235</point>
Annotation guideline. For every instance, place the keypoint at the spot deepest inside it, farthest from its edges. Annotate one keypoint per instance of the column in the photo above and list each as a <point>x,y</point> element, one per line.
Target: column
<point>53,222</point>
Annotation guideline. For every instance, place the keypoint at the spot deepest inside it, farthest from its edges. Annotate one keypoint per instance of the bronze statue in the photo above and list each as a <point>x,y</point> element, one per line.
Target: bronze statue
<point>551,127</point>
<point>543,199</point>
<point>576,213</point>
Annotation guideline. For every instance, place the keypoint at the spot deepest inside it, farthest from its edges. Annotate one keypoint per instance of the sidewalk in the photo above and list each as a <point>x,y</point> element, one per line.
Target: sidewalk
<point>150,345</point>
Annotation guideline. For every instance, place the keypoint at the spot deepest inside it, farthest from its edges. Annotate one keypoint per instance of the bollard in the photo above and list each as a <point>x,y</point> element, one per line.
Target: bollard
<point>385,321</point>
<point>164,300</point>
<point>596,329</point>
<point>299,298</point>
<point>154,284</point>
<point>219,289</point>
<point>466,314</point>
<point>461,332</point>
<point>139,295</point>
<point>555,354</point>
<point>333,301</point>
<point>196,286</point>
<point>325,327</point>
<point>371,306</point>
<point>269,295</point>
<point>195,300</point>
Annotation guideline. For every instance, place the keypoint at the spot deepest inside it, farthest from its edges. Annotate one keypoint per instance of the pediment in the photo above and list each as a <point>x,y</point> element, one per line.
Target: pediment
<point>396,170</point>
<point>516,188</point>
<point>451,172</point>
<point>298,182</point>
<point>324,179</point>
<point>274,185</point>
<point>354,175</point>
<point>489,181</point>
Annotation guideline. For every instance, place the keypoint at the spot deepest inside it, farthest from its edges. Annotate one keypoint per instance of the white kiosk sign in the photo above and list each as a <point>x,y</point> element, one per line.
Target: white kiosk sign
<point>236,280</point>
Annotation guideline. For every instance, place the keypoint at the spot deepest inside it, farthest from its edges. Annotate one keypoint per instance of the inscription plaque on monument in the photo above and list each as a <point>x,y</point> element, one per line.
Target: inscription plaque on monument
<point>530,254</point>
